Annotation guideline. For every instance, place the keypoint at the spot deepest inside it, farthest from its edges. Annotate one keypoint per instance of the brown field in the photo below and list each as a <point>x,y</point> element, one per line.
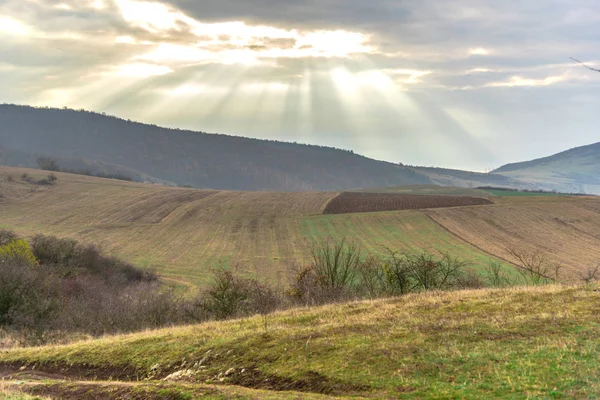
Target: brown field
<point>183,233</point>
<point>567,229</point>
<point>358,202</point>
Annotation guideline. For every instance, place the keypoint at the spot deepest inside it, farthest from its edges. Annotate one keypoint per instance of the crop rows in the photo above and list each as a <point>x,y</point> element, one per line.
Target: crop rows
<point>353,202</point>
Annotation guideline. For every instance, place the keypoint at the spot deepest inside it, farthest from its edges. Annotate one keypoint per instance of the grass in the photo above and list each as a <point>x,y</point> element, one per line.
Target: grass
<point>507,343</point>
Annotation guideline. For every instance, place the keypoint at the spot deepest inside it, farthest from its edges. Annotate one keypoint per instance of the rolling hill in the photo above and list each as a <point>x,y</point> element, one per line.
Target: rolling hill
<point>503,344</point>
<point>575,170</point>
<point>183,233</point>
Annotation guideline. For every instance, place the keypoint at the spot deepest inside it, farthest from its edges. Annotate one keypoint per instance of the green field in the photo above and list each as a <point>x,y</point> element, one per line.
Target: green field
<point>507,344</point>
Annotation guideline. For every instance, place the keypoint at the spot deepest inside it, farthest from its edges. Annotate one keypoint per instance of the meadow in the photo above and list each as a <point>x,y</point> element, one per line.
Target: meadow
<point>503,343</point>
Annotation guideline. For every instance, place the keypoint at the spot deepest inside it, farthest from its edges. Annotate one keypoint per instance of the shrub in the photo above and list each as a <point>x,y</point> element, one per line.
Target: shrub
<point>17,252</point>
<point>7,236</point>
<point>535,268</point>
<point>52,250</point>
<point>335,264</point>
<point>371,277</point>
<point>398,274</point>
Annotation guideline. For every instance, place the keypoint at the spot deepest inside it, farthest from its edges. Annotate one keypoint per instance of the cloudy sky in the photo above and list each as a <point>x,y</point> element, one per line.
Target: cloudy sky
<point>456,83</point>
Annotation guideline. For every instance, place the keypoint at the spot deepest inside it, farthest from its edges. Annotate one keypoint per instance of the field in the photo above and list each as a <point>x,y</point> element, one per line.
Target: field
<point>506,344</point>
<point>183,233</point>
<point>566,229</point>
<point>352,202</point>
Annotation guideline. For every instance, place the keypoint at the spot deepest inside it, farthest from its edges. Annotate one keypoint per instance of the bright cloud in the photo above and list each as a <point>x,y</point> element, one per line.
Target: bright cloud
<point>141,70</point>
<point>13,27</point>
<point>520,81</point>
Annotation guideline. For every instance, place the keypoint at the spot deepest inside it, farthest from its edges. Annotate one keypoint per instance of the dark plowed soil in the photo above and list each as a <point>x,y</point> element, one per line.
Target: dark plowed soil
<point>356,202</point>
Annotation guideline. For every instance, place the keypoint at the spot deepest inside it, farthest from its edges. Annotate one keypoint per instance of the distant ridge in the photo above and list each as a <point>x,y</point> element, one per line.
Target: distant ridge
<point>192,158</point>
<point>574,170</point>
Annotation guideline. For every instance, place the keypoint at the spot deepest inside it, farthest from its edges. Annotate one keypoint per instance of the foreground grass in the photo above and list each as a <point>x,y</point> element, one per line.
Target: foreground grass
<point>506,343</point>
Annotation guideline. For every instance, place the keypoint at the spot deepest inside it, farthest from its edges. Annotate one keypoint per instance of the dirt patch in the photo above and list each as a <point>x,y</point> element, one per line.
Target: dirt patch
<point>309,382</point>
<point>66,372</point>
<point>118,391</point>
<point>352,202</point>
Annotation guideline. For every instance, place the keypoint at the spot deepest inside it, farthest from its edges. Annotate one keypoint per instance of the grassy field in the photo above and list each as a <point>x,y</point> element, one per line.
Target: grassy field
<point>505,343</point>
<point>183,233</point>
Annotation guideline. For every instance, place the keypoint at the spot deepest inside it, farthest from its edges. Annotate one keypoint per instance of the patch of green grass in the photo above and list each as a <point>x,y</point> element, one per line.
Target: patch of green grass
<point>407,231</point>
<point>511,343</point>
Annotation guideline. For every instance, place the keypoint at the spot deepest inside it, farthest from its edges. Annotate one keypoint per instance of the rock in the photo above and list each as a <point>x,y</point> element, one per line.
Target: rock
<point>203,361</point>
<point>180,375</point>
<point>230,372</point>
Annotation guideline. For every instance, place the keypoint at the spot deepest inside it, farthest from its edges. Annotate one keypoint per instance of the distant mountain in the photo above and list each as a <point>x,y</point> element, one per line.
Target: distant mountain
<point>192,158</point>
<point>575,170</point>
<point>468,179</point>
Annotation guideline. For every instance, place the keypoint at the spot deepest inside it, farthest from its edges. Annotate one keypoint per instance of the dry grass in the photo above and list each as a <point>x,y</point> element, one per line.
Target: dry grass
<point>513,343</point>
<point>566,229</point>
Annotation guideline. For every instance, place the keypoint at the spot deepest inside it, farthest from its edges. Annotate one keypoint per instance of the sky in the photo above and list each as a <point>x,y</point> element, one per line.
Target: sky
<point>469,84</point>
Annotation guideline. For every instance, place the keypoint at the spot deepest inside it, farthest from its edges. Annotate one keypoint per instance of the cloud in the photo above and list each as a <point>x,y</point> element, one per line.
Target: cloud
<point>390,78</point>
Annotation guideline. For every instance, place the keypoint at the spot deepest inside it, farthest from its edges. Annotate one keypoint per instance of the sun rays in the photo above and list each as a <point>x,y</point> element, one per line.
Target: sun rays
<point>314,85</point>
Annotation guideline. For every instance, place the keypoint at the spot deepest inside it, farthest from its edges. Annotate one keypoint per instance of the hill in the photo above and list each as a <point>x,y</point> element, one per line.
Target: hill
<point>510,343</point>
<point>186,232</point>
<point>575,170</point>
<point>191,158</point>
<point>468,179</point>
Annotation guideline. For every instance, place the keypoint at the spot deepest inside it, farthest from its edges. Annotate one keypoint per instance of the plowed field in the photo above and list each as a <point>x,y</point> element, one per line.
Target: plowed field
<point>567,229</point>
<point>357,202</point>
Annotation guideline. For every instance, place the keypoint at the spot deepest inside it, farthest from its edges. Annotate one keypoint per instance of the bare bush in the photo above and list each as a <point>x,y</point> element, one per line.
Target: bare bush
<point>398,273</point>
<point>7,236</point>
<point>590,275</point>
<point>371,277</point>
<point>535,267</point>
<point>336,264</point>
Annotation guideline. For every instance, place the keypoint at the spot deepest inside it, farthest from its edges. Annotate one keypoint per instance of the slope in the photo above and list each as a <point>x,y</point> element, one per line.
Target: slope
<point>193,158</point>
<point>575,170</point>
<point>511,343</point>
<point>186,232</point>
<point>565,229</point>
